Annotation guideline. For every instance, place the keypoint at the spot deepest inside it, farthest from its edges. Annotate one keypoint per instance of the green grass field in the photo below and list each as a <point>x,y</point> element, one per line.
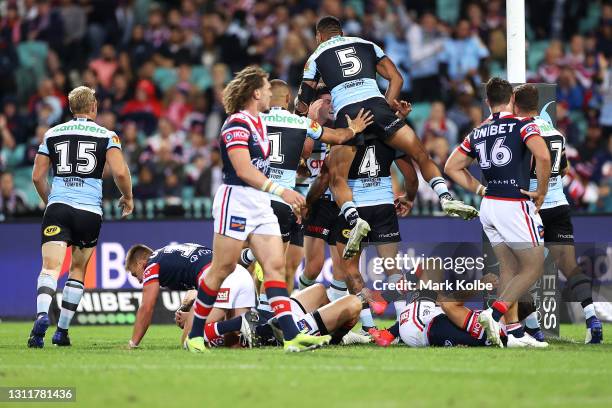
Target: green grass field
<point>160,374</point>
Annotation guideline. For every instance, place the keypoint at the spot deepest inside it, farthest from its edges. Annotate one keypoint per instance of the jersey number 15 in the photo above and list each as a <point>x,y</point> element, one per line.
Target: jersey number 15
<point>85,157</point>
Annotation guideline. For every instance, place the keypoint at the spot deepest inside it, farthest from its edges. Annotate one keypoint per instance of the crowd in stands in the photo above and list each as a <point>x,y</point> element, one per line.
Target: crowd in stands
<point>159,69</point>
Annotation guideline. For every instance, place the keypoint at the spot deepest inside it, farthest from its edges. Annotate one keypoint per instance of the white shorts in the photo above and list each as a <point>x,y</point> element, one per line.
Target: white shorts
<point>513,222</point>
<point>414,319</point>
<point>239,211</point>
<point>237,290</point>
<point>302,319</point>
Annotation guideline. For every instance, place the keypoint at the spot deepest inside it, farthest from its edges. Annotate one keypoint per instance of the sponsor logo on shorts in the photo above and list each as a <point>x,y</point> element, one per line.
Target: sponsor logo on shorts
<point>52,230</point>
<point>566,236</point>
<point>223,295</point>
<point>390,125</point>
<point>237,223</point>
<point>317,230</point>
<point>303,324</point>
<point>541,231</point>
<point>389,235</point>
<point>346,233</point>
<point>448,343</point>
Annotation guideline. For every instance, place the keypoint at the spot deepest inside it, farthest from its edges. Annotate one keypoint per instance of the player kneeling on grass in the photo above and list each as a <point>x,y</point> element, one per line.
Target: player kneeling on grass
<point>311,310</point>
<point>183,267</point>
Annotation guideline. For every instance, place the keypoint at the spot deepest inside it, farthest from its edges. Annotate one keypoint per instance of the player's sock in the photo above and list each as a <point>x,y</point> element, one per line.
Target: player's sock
<point>349,212</point>
<point>279,302</point>
<point>304,282</point>
<point>247,257</point>
<point>365,316</point>
<point>391,296</point>
<point>471,325</point>
<point>531,321</point>
<point>213,332</point>
<point>394,330</point>
<point>499,309</point>
<point>263,303</point>
<point>438,184</point>
<point>201,308</point>
<point>71,296</point>
<point>589,310</point>
<point>515,329</point>
<point>45,289</point>
<point>337,289</point>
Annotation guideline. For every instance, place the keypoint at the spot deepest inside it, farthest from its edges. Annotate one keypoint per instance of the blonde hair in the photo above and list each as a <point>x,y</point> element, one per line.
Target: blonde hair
<point>81,99</point>
<point>240,89</point>
<point>135,253</point>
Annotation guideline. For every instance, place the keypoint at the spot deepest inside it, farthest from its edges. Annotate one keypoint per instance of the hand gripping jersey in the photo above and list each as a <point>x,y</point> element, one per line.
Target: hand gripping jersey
<point>556,145</point>
<point>370,174</point>
<point>243,131</point>
<point>347,66</point>
<point>499,145</point>
<point>177,266</point>
<point>77,150</point>
<point>287,133</point>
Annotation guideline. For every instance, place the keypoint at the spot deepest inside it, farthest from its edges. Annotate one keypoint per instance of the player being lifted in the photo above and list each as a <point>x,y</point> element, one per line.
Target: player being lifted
<point>555,214</point>
<point>183,267</point>
<point>77,151</point>
<point>504,146</point>
<point>288,133</point>
<point>242,210</point>
<point>348,66</point>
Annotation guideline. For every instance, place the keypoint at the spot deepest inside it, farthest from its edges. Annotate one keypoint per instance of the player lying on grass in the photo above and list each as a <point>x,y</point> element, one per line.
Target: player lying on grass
<point>425,323</point>
<point>349,67</point>
<point>311,310</point>
<point>183,267</point>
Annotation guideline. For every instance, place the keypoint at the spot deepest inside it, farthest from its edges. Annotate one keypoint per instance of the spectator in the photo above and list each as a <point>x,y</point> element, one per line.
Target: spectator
<point>550,69</point>
<point>168,138</point>
<point>33,144</point>
<point>569,90</point>
<point>12,202</point>
<point>7,141</point>
<point>173,52</point>
<point>144,108</point>
<point>438,125</point>
<point>15,121</point>
<point>138,48</point>
<point>425,42</point>
<point>132,150</point>
<point>593,143</point>
<point>146,188</point>
<point>156,33</point>
<point>464,53</point>
<point>212,177</point>
<point>105,66</point>
<point>46,25</point>
<point>565,124</point>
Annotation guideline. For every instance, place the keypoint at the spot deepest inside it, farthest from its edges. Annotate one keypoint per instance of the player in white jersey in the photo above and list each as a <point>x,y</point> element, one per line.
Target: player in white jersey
<point>555,213</point>
<point>242,211</point>
<point>77,152</point>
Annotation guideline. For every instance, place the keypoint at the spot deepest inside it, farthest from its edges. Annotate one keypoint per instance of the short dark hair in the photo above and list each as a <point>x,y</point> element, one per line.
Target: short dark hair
<point>136,253</point>
<point>526,97</point>
<point>322,89</point>
<point>329,25</point>
<point>499,91</point>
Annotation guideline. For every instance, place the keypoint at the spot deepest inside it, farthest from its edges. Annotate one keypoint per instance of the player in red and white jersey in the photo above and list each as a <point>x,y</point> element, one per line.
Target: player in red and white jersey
<point>242,211</point>
<point>505,146</point>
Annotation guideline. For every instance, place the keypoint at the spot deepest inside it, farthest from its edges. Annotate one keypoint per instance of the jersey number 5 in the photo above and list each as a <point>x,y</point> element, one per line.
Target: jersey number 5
<point>349,61</point>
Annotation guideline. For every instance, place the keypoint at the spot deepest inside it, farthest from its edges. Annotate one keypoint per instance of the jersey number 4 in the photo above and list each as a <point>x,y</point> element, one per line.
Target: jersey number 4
<point>500,154</point>
<point>369,166</point>
<point>351,65</point>
<point>86,159</point>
